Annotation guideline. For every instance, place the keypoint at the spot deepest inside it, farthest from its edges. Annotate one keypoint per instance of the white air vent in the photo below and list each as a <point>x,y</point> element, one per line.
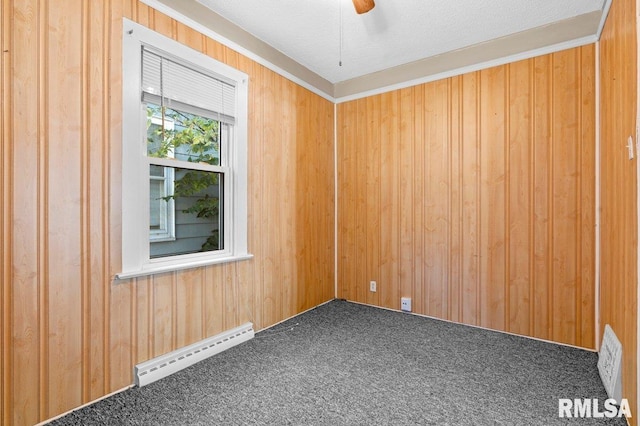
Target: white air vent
<point>609,364</point>
<point>162,366</point>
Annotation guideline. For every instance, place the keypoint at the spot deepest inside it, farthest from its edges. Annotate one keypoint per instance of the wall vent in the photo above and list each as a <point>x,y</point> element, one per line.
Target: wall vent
<point>609,364</point>
<point>165,365</point>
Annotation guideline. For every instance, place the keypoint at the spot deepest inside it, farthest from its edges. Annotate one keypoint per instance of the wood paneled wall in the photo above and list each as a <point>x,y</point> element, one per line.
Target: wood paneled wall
<point>5,202</point>
<point>71,335</point>
<point>475,196</point>
<point>619,189</point>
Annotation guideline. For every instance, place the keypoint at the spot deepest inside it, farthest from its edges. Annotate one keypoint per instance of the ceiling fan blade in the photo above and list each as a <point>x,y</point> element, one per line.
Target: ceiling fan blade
<point>363,6</point>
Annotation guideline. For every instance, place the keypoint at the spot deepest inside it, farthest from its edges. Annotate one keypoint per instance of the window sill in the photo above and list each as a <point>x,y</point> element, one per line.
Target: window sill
<point>153,269</point>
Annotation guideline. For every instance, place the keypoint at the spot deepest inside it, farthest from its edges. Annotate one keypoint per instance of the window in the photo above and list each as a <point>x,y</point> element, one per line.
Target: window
<point>184,165</point>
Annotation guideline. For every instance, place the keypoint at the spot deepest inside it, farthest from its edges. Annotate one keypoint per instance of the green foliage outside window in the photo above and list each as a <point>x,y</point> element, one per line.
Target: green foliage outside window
<point>194,139</point>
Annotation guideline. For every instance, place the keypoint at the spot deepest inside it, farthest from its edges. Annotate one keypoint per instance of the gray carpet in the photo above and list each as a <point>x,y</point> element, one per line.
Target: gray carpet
<point>348,364</point>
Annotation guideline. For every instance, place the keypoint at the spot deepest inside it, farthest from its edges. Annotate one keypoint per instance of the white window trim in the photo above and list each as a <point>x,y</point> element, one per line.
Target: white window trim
<point>135,163</point>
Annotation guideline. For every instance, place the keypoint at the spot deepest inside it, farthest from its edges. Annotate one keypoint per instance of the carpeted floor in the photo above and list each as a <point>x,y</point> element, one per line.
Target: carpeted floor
<point>348,364</point>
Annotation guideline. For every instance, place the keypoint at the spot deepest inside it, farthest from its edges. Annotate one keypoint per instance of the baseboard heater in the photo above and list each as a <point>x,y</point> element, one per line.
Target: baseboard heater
<point>165,365</point>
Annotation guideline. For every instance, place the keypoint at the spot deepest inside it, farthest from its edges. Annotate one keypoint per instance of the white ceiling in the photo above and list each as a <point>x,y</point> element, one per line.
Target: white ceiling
<point>395,32</point>
<point>398,44</point>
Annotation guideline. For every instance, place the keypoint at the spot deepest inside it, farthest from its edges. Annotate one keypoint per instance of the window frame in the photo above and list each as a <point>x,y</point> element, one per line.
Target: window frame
<point>136,260</point>
<point>168,232</point>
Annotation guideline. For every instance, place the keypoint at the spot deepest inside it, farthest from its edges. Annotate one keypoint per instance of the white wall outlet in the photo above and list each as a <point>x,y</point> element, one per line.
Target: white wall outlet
<point>373,286</point>
<point>405,304</point>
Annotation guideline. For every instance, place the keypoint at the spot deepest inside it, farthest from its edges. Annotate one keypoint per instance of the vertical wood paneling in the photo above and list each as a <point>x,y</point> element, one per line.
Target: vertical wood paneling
<point>372,193</point>
<point>69,333</point>
<point>565,152</point>
<point>619,189</point>
<point>389,209</point>
<point>309,173</point>
<point>435,198</point>
<point>505,154</point>
<point>304,200</point>
<point>287,204</point>
<point>360,286</point>
<point>5,211</point>
<point>493,181</point>
<point>347,174</point>
<point>520,208</point>
<point>492,198</point>
<point>420,188</point>
<point>256,191</point>
<point>405,190</point>
<point>189,308</point>
<point>214,291</point>
<point>120,357</point>
<point>455,237</point>
<point>143,342</point>
<point>469,177</point>
<point>271,246</point>
<point>63,206</point>
<point>116,353</point>
<point>25,340</point>
<point>588,215</point>
<point>95,192</point>
<point>542,226</point>
<point>162,311</point>
<point>42,206</point>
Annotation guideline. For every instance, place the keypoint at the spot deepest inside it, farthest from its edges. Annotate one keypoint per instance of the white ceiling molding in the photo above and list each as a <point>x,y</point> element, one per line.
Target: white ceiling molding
<point>524,45</point>
<point>204,20</point>
<point>576,30</point>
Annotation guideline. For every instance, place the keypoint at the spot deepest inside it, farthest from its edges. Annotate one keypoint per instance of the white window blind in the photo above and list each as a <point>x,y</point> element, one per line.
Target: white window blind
<point>186,88</point>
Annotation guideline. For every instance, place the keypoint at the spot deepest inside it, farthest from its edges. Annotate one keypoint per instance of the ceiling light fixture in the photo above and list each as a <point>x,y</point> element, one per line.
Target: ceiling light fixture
<point>363,6</point>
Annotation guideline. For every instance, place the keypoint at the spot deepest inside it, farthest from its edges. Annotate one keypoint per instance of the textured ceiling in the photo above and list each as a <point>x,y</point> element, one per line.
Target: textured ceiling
<point>319,33</point>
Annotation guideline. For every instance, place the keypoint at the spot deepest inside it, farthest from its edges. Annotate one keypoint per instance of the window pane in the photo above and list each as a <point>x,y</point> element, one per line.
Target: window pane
<point>181,135</point>
<point>157,171</point>
<point>157,204</point>
<point>197,197</point>
<point>160,203</point>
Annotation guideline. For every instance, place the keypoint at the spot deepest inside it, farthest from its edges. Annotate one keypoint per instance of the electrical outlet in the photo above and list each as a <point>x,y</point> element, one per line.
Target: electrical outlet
<point>405,304</point>
<point>372,286</point>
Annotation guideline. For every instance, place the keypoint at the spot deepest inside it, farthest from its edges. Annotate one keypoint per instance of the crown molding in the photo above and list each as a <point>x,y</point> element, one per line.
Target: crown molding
<point>569,33</point>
